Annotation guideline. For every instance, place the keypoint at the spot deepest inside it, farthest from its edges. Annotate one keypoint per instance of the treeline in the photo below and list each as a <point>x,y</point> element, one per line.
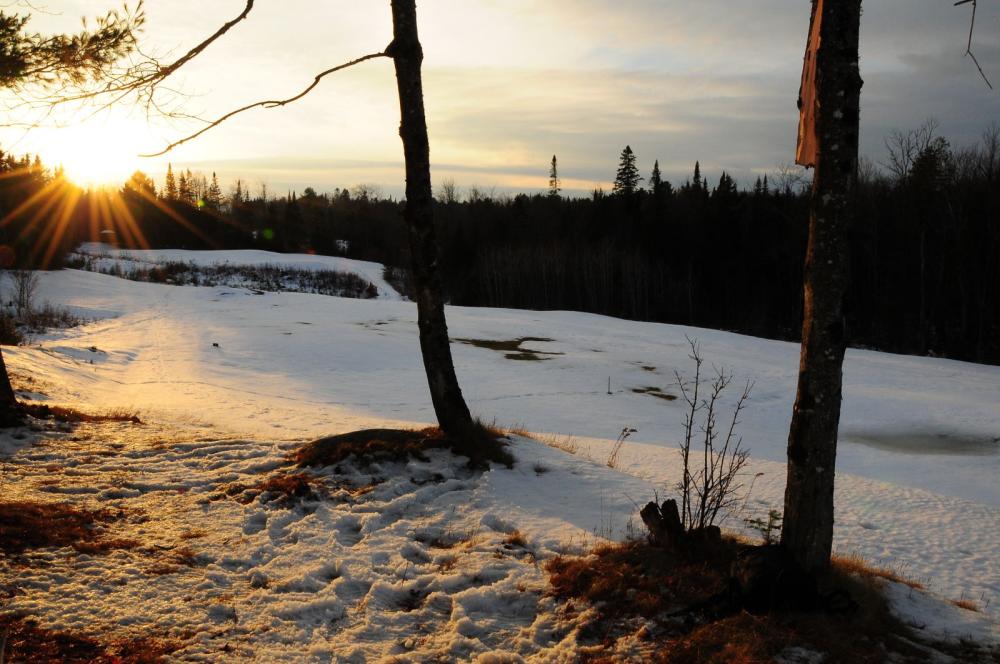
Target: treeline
<point>926,246</point>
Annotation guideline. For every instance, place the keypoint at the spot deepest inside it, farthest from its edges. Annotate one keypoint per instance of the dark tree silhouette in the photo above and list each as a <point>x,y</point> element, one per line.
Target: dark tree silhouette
<point>555,185</point>
<point>627,178</point>
<point>807,533</point>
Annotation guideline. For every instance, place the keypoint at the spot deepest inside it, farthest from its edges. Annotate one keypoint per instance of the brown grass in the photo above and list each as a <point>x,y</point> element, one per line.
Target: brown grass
<point>512,348</point>
<point>854,564</point>
<point>27,643</point>
<point>516,539</point>
<point>626,581</point>
<point>399,445</point>
<point>655,392</point>
<point>284,489</point>
<point>30,525</point>
<point>64,414</point>
<point>967,604</point>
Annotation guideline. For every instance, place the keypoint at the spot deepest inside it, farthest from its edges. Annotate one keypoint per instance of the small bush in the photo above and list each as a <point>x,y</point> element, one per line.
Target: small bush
<point>10,333</point>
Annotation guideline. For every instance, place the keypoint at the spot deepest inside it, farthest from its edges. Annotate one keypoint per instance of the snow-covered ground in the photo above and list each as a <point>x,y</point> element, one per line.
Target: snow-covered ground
<point>368,576</point>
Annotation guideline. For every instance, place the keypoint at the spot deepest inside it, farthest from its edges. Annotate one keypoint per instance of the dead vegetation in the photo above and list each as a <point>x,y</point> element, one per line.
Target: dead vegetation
<point>853,564</point>
<point>28,643</point>
<point>654,391</point>
<point>66,414</point>
<point>28,525</point>
<point>642,593</point>
<point>512,348</point>
<point>371,446</point>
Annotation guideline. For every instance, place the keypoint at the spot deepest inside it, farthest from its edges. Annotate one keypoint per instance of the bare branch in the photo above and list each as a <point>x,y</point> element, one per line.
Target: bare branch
<point>274,103</point>
<point>142,78</point>
<point>968,48</point>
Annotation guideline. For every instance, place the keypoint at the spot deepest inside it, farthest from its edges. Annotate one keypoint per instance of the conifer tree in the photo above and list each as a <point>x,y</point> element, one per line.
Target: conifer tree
<point>170,191</point>
<point>213,198</point>
<point>696,184</point>
<point>656,179</point>
<point>555,185</point>
<point>627,178</point>
<point>184,188</point>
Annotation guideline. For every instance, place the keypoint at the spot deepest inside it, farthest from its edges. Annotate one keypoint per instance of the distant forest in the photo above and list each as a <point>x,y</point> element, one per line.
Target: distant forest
<point>926,248</point>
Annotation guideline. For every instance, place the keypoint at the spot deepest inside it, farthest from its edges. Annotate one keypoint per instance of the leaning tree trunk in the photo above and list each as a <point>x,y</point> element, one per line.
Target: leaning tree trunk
<point>812,440</point>
<point>407,54</point>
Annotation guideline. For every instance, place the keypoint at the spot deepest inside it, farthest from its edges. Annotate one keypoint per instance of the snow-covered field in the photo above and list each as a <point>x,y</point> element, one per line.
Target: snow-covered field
<point>421,565</point>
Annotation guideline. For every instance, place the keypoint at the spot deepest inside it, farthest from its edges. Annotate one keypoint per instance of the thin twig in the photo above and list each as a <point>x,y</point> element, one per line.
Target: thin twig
<point>274,103</point>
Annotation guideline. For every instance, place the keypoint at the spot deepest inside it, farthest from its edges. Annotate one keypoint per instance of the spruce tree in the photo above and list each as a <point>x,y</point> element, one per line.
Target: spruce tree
<point>555,185</point>
<point>171,188</point>
<point>184,188</point>
<point>627,178</point>
<point>696,184</point>
<point>655,179</point>
<point>213,198</point>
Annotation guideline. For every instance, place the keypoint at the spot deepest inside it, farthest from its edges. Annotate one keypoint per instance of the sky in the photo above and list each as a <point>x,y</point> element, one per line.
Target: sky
<point>509,83</point>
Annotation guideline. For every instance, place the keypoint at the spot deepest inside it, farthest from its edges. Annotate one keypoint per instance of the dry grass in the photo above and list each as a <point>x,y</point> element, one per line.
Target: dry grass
<point>655,392</point>
<point>624,582</point>
<point>854,564</point>
<point>512,348</point>
<point>27,643</point>
<point>967,604</point>
<point>567,443</point>
<point>65,414</point>
<point>399,445</point>
<point>30,525</point>
<point>516,539</point>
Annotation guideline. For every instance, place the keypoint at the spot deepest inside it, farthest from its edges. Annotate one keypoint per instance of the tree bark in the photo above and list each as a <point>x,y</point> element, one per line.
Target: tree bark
<point>449,405</point>
<point>812,440</point>
<point>10,410</point>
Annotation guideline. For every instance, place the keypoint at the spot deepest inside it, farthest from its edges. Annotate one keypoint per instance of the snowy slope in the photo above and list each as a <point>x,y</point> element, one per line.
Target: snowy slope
<point>916,480</point>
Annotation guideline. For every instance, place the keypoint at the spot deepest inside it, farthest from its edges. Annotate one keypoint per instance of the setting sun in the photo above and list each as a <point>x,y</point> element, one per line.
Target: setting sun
<point>97,153</point>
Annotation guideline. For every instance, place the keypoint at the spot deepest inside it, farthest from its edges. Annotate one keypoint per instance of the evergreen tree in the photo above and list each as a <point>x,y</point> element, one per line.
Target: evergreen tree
<point>171,187</point>
<point>213,198</point>
<point>627,178</point>
<point>697,184</point>
<point>555,185</point>
<point>655,179</point>
<point>184,188</point>
<point>767,190</point>
<point>727,186</point>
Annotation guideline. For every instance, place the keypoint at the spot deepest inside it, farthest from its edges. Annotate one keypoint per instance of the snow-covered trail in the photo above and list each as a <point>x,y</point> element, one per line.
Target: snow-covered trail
<point>917,464</point>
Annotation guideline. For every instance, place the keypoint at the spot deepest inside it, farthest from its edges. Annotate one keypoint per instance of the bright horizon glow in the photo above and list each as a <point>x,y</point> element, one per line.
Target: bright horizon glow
<point>96,154</point>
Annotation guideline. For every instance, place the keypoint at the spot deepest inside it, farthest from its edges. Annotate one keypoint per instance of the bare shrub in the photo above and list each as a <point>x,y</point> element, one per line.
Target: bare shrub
<point>25,287</point>
<point>714,486</point>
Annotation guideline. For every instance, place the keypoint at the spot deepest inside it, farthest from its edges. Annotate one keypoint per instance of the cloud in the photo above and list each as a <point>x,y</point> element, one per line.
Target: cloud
<point>510,82</point>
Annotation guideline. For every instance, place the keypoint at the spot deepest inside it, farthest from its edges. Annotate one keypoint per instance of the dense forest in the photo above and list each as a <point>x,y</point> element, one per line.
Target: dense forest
<point>926,247</point>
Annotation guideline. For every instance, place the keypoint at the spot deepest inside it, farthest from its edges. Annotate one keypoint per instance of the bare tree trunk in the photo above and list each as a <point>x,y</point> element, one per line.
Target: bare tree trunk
<point>10,410</point>
<point>812,440</point>
<point>449,405</point>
